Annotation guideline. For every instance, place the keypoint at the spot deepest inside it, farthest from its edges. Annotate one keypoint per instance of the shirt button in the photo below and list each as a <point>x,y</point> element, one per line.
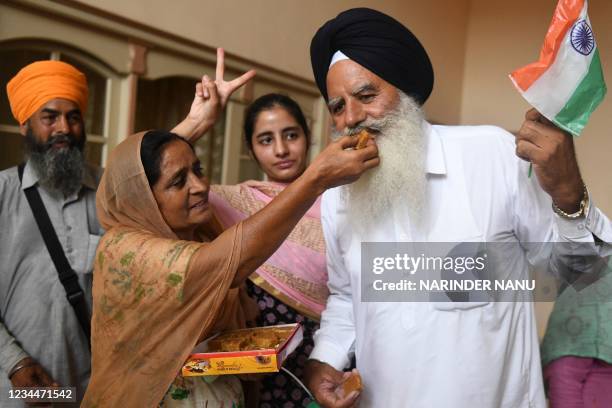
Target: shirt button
<point>581,226</point>
<point>69,228</point>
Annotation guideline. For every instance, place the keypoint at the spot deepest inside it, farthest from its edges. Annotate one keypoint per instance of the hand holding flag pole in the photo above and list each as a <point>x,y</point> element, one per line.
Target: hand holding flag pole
<point>533,114</point>
<point>566,84</point>
<point>551,152</point>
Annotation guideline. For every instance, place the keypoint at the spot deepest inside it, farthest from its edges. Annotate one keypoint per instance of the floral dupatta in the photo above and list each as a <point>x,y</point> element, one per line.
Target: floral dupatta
<point>154,296</point>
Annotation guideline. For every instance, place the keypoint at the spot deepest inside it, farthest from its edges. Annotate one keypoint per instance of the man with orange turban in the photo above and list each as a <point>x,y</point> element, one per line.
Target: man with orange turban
<point>44,310</point>
<point>42,339</point>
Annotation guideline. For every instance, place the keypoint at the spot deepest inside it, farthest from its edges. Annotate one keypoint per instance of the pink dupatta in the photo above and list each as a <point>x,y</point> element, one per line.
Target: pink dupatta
<point>296,273</point>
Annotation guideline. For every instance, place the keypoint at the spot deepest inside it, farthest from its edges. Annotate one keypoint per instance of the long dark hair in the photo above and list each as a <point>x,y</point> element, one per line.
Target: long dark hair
<point>267,102</point>
<point>151,149</point>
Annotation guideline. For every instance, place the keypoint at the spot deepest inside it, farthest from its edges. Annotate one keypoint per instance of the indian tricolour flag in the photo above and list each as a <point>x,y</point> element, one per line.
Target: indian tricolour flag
<point>566,84</point>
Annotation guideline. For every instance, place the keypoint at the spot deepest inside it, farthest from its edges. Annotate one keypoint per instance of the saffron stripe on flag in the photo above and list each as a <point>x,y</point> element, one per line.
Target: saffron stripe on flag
<point>587,96</point>
<point>564,17</point>
<point>550,93</point>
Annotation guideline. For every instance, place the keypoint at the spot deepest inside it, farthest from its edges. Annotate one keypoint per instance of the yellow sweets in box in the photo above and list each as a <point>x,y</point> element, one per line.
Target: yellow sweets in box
<point>245,351</point>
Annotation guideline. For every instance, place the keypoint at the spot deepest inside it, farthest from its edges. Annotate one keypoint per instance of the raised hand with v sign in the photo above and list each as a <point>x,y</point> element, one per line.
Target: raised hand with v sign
<point>210,99</point>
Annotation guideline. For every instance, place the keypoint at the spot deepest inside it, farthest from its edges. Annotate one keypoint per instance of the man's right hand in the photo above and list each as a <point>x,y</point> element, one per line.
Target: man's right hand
<point>32,375</point>
<point>325,382</point>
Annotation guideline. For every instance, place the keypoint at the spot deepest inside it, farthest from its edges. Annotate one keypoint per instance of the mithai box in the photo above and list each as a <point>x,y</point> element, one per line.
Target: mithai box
<point>245,351</point>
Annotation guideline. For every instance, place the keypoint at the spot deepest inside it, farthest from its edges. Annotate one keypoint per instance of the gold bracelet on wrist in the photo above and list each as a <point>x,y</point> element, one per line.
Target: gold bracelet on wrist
<point>584,206</point>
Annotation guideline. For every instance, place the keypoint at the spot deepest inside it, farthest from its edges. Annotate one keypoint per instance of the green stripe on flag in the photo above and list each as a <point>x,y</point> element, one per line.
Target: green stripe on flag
<point>589,93</point>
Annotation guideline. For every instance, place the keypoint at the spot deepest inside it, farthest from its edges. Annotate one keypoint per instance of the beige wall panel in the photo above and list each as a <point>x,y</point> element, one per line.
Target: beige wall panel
<point>160,64</point>
<point>19,24</point>
<point>278,32</point>
<point>503,36</point>
<point>306,101</point>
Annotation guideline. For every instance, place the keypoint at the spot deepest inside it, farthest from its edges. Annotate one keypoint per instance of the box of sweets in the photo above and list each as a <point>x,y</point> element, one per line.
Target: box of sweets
<point>245,351</point>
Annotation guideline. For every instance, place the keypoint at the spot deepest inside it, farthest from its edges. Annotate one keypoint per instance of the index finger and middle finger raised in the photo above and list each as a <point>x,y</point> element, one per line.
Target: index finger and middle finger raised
<point>220,68</point>
<point>220,72</point>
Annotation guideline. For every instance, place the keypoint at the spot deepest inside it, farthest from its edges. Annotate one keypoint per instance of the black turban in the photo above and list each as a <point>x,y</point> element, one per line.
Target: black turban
<point>378,43</point>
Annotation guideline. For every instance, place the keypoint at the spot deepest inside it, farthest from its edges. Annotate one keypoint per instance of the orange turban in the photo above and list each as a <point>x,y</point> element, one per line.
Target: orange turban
<point>39,82</point>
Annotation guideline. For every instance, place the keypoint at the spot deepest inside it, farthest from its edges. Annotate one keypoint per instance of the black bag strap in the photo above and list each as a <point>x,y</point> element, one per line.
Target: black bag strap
<point>65,273</point>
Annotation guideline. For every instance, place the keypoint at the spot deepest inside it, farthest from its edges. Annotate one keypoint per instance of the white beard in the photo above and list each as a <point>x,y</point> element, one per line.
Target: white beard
<point>399,179</point>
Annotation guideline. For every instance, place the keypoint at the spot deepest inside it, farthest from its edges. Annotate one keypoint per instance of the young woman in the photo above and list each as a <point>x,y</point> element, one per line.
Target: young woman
<point>291,286</point>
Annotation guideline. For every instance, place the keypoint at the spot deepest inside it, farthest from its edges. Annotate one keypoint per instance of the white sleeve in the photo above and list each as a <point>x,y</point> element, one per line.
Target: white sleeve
<point>10,350</point>
<point>595,226</point>
<point>537,225</point>
<point>335,338</point>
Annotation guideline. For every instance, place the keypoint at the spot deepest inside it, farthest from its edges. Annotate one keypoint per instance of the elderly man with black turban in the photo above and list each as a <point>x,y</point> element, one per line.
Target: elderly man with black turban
<point>434,184</point>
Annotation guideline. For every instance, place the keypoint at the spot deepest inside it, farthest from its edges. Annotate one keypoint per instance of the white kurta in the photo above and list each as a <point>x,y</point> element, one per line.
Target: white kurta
<point>447,354</point>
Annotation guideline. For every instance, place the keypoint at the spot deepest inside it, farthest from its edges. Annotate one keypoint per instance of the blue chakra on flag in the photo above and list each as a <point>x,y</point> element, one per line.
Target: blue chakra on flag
<point>582,38</point>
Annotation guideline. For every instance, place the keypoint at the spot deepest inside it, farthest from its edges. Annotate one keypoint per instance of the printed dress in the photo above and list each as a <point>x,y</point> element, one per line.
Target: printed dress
<point>290,287</point>
<point>279,389</point>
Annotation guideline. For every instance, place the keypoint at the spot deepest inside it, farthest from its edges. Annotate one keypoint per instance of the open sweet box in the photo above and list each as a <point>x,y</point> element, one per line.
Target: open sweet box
<point>245,351</point>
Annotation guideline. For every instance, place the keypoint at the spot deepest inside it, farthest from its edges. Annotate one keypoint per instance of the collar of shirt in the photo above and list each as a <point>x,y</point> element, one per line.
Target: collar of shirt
<point>435,162</point>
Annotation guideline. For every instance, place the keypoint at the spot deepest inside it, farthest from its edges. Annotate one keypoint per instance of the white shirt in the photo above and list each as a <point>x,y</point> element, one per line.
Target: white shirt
<point>447,354</point>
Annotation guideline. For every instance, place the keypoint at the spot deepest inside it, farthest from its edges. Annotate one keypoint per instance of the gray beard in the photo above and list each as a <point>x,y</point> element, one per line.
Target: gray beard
<point>399,179</point>
<point>58,170</point>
